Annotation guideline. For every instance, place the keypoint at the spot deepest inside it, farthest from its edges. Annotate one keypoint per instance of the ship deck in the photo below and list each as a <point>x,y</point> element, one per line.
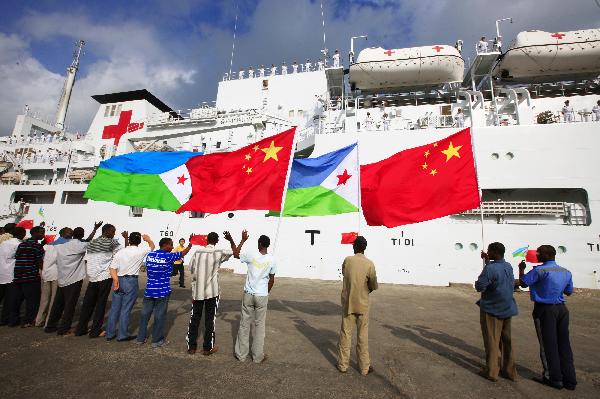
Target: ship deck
<point>424,341</point>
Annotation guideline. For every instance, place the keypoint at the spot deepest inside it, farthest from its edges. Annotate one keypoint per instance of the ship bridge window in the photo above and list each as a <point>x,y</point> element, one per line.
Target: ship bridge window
<point>535,206</point>
<point>113,109</point>
<point>291,113</point>
<point>35,197</point>
<point>197,215</point>
<point>136,212</point>
<point>73,197</point>
<point>118,111</point>
<point>106,110</point>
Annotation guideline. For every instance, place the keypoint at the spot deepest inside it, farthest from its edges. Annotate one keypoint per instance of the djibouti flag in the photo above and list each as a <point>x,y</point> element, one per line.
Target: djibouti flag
<point>155,180</point>
<point>326,185</point>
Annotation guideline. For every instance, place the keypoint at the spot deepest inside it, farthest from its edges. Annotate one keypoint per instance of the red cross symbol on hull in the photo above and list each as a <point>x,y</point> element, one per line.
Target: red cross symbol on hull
<point>558,35</point>
<point>437,48</point>
<point>388,52</point>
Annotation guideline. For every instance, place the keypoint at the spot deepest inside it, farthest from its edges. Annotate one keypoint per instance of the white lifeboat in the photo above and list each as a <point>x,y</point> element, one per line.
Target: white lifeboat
<point>538,56</point>
<point>378,70</point>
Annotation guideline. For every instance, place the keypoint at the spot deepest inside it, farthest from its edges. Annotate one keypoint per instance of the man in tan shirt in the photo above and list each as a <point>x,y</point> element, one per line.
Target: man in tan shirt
<point>360,280</point>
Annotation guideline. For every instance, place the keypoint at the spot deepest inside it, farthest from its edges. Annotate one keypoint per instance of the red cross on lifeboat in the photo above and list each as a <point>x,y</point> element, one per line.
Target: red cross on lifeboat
<point>124,126</point>
<point>558,35</point>
<point>389,53</point>
<point>437,48</point>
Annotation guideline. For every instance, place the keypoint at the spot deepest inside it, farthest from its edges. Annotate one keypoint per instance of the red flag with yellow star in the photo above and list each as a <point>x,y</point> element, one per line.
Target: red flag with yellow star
<point>252,177</point>
<point>422,183</point>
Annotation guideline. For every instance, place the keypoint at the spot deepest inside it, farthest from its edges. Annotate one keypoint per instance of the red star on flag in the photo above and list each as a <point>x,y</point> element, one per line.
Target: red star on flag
<point>343,178</point>
<point>181,179</point>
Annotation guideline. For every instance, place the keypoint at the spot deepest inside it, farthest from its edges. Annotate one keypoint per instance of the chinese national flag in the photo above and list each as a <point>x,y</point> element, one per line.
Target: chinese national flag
<point>422,183</point>
<point>252,177</point>
<point>349,238</point>
<point>27,224</point>
<point>200,239</point>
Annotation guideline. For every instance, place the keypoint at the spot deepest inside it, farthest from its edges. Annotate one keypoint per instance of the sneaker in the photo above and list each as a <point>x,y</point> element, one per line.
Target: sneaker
<point>210,352</point>
<point>140,342</point>
<point>129,338</point>
<point>160,344</point>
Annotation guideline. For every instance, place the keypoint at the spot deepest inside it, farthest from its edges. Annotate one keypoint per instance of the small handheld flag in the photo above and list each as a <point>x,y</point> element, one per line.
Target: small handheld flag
<point>349,238</point>
<point>521,252</point>
<point>200,239</point>
<point>531,256</point>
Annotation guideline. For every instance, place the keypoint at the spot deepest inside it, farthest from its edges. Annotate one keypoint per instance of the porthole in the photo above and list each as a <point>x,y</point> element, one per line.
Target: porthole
<point>561,249</point>
<point>509,155</point>
<point>458,246</point>
<point>230,215</point>
<point>495,155</point>
<point>473,246</point>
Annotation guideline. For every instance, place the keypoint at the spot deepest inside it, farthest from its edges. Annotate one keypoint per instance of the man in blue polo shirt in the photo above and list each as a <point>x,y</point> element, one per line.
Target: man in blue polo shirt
<point>547,283</point>
<point>159,265</point>
<point>497,307</point>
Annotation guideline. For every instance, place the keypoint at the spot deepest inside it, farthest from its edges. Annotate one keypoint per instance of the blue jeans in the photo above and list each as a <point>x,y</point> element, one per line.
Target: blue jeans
<point>159,307</point>
<point>120,310</point>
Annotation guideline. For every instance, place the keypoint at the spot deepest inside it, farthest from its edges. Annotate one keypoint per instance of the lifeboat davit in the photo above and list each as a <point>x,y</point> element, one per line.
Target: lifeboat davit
<point>538,56</point>
<point>379,70</point>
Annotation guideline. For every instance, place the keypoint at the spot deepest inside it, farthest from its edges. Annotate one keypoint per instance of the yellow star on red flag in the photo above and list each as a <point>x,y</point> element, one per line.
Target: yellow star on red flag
<point>451,151</point>
<point>271,151</point>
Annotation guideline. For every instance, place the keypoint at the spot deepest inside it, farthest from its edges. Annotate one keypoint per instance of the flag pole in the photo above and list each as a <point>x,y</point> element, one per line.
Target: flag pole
<point>359,191</point>
<point>287,178</point>
<point>478,184</point>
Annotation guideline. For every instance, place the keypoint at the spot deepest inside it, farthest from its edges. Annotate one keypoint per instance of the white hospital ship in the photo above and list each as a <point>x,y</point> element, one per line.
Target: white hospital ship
<point>537,161</point>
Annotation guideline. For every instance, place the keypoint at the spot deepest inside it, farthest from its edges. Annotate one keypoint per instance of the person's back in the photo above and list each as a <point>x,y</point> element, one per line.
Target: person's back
<point>548,282</point>
<point>359,280</point>
<point>497,287</point>
<point>69,261</point>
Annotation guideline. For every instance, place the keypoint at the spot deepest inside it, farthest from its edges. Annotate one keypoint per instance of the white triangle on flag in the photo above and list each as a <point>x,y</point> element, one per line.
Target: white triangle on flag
<point>334,182</point>
<point>178,181</point>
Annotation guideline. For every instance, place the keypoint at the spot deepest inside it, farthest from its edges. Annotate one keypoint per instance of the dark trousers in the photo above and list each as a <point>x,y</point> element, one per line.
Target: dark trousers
<point>211,305</point>
<point>63,309</point>
<point>179,269</point>
<point>552,327</point>
<point>94,302</point>
<point>29,292</point>
<point>5,300</point>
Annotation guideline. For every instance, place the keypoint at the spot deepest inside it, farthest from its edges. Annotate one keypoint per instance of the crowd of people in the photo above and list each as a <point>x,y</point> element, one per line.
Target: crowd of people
<point>48,278</point>
<point>309,66</point>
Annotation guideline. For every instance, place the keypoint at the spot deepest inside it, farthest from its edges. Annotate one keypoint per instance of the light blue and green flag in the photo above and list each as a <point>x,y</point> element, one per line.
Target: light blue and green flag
<point>326,185</point>
<point>522,252</point>
<point>155,180</point>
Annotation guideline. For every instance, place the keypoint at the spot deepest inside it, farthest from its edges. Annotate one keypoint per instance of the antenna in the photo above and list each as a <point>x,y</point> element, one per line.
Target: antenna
<point>324,51</point>
<point>233,43</point>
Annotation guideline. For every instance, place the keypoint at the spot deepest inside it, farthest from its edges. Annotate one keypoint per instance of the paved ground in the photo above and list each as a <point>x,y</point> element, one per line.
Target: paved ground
<point>425,342</point>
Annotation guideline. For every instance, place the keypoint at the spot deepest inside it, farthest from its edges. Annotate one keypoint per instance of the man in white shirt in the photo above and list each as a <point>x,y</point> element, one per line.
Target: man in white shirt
<point>482,46</point>
<point>124,270</point>
<point>50,277</point>
<point>261,71</point>
<point>284,68</point>
<point>250,73</point>
<point>568,114</point>
<point>369,122</point>
<point>273,70</point>
<point>8,248</point>
<point>259,282</point>
<point>307,66</point>
<point>99,255</point>
<point>71,272</point>
<point>204,268</point>
<point>459,119</point>
<point>295,67</point>
<point>336,59</point>
<point>241,73</point>
<point>596,111</point>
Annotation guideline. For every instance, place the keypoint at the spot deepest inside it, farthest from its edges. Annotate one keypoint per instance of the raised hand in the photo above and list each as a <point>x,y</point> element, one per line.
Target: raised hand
<point>522,265</point>
<point>125,235</point>
<point>98,224</point>
<point>145,237</point>
<point>227,236</point>
<point>245,235</point>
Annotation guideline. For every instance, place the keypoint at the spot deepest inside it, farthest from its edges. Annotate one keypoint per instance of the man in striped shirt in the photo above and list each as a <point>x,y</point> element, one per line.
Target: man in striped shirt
<point>204,268</point>
<point>99,255</point>
<point>29,260</point>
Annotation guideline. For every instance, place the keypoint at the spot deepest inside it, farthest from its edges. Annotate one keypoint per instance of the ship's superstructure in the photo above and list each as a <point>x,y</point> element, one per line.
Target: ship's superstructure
<point>535,155</point>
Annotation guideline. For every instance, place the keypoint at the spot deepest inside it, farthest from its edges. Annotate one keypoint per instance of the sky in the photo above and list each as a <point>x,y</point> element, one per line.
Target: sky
<point>180,49</point>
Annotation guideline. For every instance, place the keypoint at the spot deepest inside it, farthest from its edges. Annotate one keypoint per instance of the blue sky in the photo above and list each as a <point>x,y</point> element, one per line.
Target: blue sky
<point>179,49</point>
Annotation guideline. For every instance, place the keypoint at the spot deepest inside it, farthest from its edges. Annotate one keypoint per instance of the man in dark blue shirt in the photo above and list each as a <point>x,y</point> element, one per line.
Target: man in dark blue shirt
<point>497,306</point>
<point>547,283</point>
